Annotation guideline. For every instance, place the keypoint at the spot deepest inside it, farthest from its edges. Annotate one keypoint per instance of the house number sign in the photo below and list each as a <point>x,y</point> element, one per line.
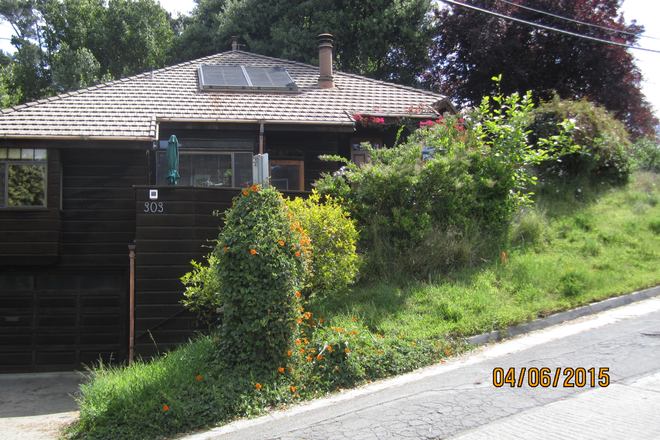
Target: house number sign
<point>153,207</point>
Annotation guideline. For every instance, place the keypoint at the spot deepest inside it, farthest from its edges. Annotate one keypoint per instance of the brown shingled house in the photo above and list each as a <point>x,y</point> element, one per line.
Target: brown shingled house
<point>78,173</point>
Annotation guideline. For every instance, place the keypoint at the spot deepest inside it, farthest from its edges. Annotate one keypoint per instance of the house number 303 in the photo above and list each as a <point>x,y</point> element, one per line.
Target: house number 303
<point>153,207</point>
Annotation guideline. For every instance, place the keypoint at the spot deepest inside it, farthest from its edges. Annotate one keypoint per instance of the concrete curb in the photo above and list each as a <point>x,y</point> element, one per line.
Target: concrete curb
<point>558,318</point>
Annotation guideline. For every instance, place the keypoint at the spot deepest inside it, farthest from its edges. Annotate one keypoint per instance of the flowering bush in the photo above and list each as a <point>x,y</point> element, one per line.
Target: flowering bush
<point>334,262</point>
<point>369,121</point>
<point>260,264</point>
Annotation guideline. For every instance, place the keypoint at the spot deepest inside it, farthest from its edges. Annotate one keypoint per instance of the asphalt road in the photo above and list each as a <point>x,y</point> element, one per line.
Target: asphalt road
<point>459,399</point>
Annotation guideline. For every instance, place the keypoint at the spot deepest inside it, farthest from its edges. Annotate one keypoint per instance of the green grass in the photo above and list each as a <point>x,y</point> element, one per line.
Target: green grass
<point>571,248</point>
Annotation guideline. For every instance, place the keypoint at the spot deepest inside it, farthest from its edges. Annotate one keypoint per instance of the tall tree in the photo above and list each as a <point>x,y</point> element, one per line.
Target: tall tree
<point>471,47</point>
<point>67,44</point>
<point>383,39</point>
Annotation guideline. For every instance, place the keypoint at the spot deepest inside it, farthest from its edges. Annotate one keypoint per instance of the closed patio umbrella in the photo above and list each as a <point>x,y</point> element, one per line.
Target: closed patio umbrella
<point>172,160</point>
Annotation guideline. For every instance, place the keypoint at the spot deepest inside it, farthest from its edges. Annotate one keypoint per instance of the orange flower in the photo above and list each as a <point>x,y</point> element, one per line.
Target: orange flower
<point>309,359</point>
<point>352,319</point>
<point>447,351</point>
<point>302,350</point>
<point>245,193</point>
<point>321,320</point>
<point>297,254</point>
<point>288,352</point>
<point>400,336</point>
<point>224,249</point>
<point>380,336</point>
<point>281,243</point>
<point>298,294</point>
<point>354,332</point>
<point>379,352</point>
<point>165,408</point>
<point>305,340</point>
<point>298,342</point>
<point>199,377</point>
<point>313,322</point>
<point>312,350</point>
<point>368,381</point>
<point>504,258</point>
<point>413,343</point>
<point>329,348</point>
<point>360,351</point>
<point>258,386</point>
<point>254,188</point>
<point>304,249</point>
<point>347,351</point>
<point>293,389</point>
<point>252,251</point>
<point>308,315</point>
<point>292,228</point>
<point>299,320</point>
<point>281,369</point>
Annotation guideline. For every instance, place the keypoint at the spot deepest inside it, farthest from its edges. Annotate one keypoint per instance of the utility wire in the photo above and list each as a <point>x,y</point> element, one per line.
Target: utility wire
<point>576,21</point>
<point>451,2</point>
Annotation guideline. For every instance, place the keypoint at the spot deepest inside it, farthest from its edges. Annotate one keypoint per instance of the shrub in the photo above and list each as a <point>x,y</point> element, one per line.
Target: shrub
<point>334,262</point>
<point>202,288</point>
<point>604,146</point>
<point>654,225</point>
<point>260,264</point>
<point>646,154</point>
<point>457,176</point>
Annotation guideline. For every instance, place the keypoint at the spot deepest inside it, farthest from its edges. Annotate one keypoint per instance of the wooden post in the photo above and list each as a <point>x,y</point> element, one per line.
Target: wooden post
<point>131,306</point>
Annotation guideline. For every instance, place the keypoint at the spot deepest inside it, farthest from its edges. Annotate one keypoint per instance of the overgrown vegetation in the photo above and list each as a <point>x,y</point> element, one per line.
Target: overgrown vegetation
<point>455,245</point>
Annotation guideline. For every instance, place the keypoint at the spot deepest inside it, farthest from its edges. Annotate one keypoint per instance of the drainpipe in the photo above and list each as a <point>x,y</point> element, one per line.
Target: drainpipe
<point>261,136</point>
<point>131,306</point>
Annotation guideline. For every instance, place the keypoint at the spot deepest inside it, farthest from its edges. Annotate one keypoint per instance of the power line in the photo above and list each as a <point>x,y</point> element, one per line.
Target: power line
<point>547,27</point>
<point>576,21</point>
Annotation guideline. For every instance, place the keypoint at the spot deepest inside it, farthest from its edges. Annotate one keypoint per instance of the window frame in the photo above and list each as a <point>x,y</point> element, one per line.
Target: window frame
<point>200,152</point>
<point>360,152</point>
<point>5,178</point>
<point>301,174</point>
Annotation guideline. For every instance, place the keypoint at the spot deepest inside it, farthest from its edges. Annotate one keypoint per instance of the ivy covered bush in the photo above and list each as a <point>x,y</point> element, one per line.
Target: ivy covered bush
<point>261,258</point>
<point>334,262</point>
<point>604,146</point>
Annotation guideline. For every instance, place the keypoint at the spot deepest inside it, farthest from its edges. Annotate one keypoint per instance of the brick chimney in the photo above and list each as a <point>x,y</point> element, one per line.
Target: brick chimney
<point>325,61</point>
<point>234,43</point>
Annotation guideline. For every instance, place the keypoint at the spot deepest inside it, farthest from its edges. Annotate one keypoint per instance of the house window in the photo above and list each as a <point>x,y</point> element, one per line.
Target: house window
<point>210,163</point>
<point>287,174</point>
<point>360,155</point>
<point>22,177</point>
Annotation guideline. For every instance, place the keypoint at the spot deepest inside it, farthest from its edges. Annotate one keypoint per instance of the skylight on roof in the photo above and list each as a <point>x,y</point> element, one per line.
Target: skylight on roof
<point>241,78</point>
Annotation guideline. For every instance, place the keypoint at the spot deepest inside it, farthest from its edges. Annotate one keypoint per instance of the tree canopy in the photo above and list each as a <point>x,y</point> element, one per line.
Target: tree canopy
<point>471,47</point>
<point>63,45</point>
<point>382,39</point>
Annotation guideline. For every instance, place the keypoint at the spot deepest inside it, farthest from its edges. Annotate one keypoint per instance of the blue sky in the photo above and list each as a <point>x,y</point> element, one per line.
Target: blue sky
<point>645,12</point>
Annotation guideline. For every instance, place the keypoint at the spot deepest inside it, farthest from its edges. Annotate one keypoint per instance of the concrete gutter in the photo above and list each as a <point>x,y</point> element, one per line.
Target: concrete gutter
<point>559,318</point>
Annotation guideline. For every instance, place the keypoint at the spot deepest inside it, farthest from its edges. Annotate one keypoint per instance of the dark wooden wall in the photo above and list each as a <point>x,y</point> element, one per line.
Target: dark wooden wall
<point>311,145</point>
<point>64,272</point>
<point>31,236</point>
<point>168,237</point>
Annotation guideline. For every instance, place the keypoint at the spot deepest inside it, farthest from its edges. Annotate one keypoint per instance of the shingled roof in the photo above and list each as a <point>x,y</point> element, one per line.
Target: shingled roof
<point>129,108</point>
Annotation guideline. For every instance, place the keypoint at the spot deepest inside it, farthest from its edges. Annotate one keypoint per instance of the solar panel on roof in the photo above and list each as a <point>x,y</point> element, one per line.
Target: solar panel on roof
<point>266,79</point>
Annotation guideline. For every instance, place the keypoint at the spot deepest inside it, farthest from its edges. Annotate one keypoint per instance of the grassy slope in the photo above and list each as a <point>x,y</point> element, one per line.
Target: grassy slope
<point>566,252</point>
